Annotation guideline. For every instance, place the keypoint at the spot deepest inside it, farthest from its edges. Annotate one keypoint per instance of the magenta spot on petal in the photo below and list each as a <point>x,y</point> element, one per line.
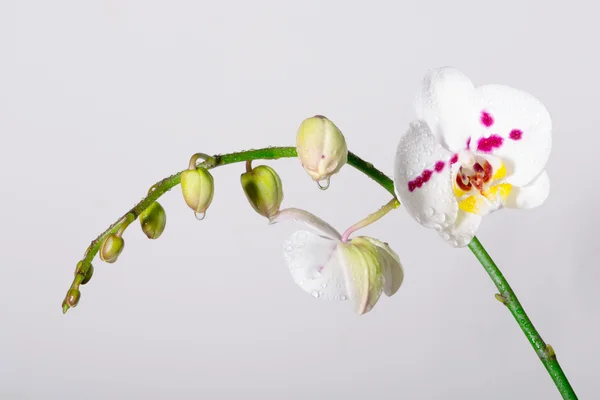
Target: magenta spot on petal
<point>426,175</point>
<point>439,166</point>
<point>454,159</point>
<point>418,181</point>
<point>322,156</point>
<point>469,142</point>
<point>486,145</point>
<point>411,186</point>
<point>486,119</point>
<point>320,268</point>
<point>516,134</point>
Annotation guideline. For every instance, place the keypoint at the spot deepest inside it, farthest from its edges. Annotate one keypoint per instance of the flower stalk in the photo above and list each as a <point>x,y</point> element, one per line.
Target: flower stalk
<point>544,351</point>
<point>392,204</point>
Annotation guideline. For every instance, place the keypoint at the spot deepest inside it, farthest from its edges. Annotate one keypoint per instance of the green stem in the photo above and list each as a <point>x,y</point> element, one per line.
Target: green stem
<point>507,296</point>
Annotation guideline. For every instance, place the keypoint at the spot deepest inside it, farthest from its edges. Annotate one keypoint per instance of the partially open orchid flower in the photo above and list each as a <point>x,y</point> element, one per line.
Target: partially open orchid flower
<point>327,266</point>
<point>473,150</point>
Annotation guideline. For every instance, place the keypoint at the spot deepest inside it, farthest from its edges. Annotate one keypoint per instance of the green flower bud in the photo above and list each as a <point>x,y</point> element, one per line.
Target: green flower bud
<point>263,190</point>
<point>73,296</point>
<point>87,273</point>
<point>153,220</point>
<point>321,147</point>
<point>197,186</point>
<point>111,248</point>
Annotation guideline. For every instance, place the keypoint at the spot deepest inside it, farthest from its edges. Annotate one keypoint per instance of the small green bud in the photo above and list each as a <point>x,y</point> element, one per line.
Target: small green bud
<point>153,220</point>
<point>197,186</point>
<point>321,147</point>
<point>73,296</point>
<point>263,190</point>
<point>111,248</point>
<point>87,273</point>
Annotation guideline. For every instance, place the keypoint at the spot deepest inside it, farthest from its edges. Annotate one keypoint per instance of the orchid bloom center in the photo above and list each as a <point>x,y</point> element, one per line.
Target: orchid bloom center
<point>478,182</point>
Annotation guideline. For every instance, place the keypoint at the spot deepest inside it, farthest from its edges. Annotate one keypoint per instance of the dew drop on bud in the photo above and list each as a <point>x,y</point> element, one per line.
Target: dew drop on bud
<point>200,215</point>
<point>323,184</point>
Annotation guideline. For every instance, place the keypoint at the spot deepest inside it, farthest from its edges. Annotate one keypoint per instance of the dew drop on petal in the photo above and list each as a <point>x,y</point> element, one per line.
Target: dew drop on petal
<point>314,273</point>
<point>343,297</point>
<point>289,248</point>
<point>200,216</point>
<point>315,293</point>
<point>323,184</point>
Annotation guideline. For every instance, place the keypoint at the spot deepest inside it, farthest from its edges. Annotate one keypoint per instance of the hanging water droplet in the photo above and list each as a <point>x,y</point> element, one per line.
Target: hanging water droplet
<point>323,184</point>
<point>200,216</point>
<point>315,293</point>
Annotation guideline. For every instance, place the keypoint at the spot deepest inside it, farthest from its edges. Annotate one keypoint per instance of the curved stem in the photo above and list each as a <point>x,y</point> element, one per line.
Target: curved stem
<point>394,203</point>
<point>507,296</point>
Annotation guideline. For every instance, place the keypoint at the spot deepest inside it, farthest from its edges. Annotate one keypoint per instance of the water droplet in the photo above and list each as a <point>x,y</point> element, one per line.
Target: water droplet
<point>315,293</point>
<point>313,273</point>
<point>324,285</point>
<point>289,248</point>
<point>200,216</point>
<point>323,184</point>
<point>343,297</point>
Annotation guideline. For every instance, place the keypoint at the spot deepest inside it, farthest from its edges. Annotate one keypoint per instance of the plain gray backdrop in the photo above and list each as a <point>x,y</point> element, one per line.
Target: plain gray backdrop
<point>100,99</point>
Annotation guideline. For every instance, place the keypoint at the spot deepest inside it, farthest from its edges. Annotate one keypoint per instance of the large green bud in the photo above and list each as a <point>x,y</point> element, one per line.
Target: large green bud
<point>153,220</point>
<point>321,148</point>
<point>263,190</point>
<point>197,186</point>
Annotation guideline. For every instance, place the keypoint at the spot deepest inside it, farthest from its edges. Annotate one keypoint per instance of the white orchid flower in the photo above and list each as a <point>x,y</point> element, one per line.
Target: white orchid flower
<point>330,266</point>
<point>473,150</point>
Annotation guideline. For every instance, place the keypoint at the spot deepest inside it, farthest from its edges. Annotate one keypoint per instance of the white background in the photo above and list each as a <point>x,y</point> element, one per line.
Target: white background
<point>100,99</point>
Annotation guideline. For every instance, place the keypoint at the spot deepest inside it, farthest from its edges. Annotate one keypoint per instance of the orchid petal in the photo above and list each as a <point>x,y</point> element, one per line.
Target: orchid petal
<point>422,178</point>
<point>310,220</point>
<point>364,275</point>
<point>445,101</point>
<point>314,264</point>
<point>519,131</point>
<point>390,265</point>
<point>462,232</point>
<point>531,195</point>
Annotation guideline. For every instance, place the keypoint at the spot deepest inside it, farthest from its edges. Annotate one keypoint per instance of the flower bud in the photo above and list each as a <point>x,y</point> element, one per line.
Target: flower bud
<point>263,190</point>
<point>321,147</point>
<point>73,296</point>
<point>111,248</point>
<point>153,220</point>
<point>87,273</point>
<point>197,186</point>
